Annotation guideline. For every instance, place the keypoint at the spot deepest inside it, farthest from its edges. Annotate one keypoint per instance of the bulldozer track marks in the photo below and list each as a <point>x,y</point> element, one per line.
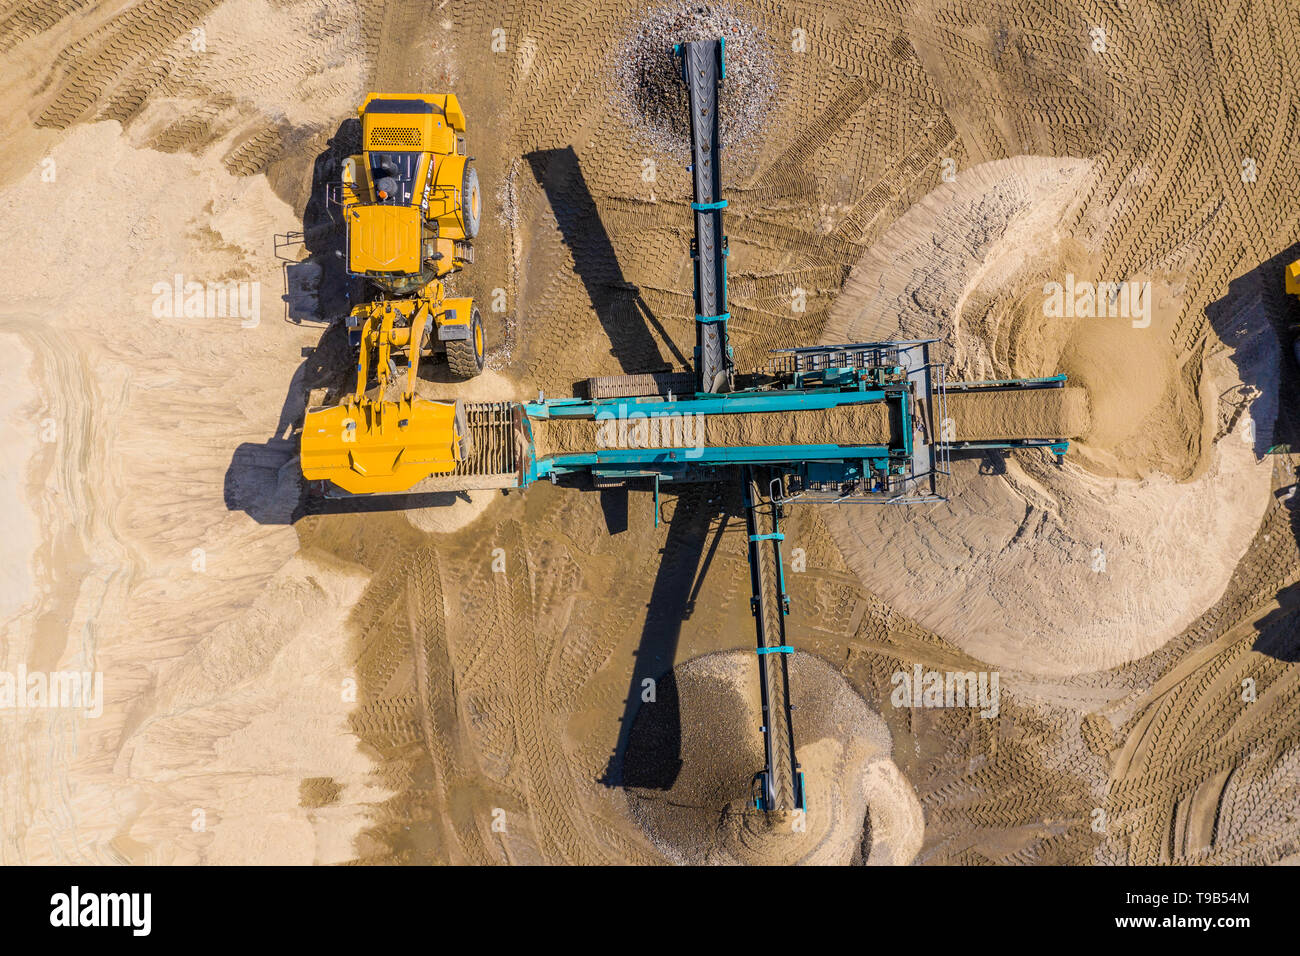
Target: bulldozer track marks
<point>1191,755</point>
<point>129,55</point>
<point>868,124</point>
<point>556,812</point>
<point>441,717</point>
<point>256,152</point>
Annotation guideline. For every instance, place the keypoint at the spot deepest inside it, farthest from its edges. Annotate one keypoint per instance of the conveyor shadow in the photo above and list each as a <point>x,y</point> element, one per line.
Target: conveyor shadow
<point>613,504</point>
<point>647,753</point>
<point>623,313</point>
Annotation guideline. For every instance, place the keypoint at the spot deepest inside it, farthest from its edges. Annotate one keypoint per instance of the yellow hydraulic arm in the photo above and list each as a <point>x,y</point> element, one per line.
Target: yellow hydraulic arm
<point>370,445</point>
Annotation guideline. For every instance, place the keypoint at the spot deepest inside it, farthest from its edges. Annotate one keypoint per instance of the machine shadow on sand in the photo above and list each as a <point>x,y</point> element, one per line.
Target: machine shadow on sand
<point>1278,632</point>
<point>1253,301</point>
<point>317,288</point>
<point>264,480</point>
<point>648,751</point>
<point>647,754</point>
<point>618,304</point>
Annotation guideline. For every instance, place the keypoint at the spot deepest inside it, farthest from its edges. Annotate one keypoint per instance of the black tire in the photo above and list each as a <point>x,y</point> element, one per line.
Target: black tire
<point>465,357</point>
<point>471,201</point>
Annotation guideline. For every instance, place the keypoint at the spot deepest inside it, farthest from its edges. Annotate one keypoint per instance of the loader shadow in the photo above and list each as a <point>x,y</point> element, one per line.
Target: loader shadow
<point>258,479</point>
<point>1253,319</point>
<point>263,479</point>
<point>622,312</point>
<point>1258,319</point>
<point>1279,630</point>
<point>647,753</point>
<point>318,288</point>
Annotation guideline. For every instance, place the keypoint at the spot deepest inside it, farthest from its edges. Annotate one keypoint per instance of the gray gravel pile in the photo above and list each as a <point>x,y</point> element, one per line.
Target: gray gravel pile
<point>649,91</point>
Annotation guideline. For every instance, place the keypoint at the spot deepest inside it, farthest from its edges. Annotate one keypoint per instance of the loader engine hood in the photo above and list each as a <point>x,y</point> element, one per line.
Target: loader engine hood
<point>384,239</point>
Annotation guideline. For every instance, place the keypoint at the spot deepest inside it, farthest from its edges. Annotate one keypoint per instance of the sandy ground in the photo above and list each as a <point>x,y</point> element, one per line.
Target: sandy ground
<point>704,817</point>
<point>457,683</point>
<point>1003,568</point>
<point>145,573</point>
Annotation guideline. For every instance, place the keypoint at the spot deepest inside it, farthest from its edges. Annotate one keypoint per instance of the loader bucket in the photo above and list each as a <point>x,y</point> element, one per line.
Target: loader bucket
<point>383,447</point>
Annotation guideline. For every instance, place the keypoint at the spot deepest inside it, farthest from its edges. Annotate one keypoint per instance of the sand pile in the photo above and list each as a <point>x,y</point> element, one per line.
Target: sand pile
<point>703,754</point>
<point>1057,570</point>
<point>648,90</point>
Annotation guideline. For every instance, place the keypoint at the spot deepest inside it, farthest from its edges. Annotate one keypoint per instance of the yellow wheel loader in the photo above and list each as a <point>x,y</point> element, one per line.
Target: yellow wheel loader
<point>411,205</point>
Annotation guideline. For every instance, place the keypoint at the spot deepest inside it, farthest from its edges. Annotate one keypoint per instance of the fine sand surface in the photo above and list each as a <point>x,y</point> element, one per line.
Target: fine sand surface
<point>221,653</point>
<point>1036,413</point>
<point>457,682</point>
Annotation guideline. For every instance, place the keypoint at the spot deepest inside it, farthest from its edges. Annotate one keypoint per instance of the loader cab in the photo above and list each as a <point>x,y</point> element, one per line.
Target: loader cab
<point>394,176</point>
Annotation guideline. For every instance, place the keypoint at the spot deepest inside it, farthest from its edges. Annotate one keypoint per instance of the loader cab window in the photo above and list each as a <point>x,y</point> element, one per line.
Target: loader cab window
<point>394,177</point>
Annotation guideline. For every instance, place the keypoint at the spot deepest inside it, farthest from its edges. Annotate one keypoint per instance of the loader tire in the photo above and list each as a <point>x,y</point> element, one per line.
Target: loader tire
<point>465,356</point>
<point>471,201</point>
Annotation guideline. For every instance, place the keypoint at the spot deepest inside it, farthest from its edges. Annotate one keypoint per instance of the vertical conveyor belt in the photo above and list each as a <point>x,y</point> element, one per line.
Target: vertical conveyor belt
<point>702,71</point>
<point>780,785</point>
